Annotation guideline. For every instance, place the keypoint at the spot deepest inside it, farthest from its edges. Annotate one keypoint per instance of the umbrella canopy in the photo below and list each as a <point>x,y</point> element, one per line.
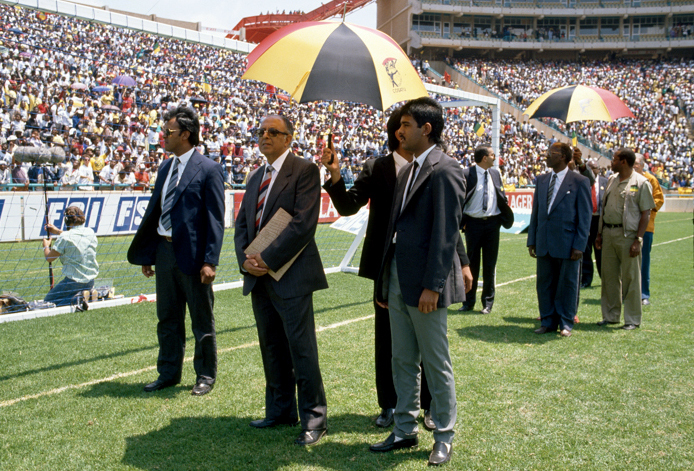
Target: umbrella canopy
<point>325,60</point>
<point>101,89</point>
<point>79,86</point>
<point>110,107</point>
<point>579,103</point>
<point>197,99</point>
<point>16,31</point>
<point>124,80</point>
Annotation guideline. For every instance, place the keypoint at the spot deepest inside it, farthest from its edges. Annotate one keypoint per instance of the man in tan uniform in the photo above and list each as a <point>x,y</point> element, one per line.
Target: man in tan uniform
<point>627,206</point>
<point>648,236</point>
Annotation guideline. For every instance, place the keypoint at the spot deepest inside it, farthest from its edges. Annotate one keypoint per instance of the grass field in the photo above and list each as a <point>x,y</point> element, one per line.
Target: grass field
<point>71,386</point>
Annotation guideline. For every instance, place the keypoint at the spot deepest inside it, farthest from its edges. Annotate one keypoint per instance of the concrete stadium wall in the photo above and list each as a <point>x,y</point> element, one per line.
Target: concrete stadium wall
<point>678,204</point>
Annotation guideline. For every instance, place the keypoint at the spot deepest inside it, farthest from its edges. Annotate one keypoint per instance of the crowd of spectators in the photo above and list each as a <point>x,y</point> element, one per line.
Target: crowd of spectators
<point>57,77</point>
<point>659,93</point>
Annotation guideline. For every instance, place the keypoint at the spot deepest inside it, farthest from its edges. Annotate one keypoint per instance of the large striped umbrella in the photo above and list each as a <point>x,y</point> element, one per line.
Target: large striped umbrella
<point>325,60</point>
<point>579,103</point>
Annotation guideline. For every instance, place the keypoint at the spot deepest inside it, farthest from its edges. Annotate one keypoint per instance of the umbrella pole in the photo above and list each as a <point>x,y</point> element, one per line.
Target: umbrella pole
<point>330,139</point>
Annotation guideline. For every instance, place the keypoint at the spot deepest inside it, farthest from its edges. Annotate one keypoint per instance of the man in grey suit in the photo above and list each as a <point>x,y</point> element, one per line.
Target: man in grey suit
<point>421,276</point>
<point>557,237</point>
<point>284,309</point>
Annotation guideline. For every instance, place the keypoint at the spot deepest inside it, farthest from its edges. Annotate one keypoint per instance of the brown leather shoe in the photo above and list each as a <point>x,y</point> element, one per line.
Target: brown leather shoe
<point>565,333</point>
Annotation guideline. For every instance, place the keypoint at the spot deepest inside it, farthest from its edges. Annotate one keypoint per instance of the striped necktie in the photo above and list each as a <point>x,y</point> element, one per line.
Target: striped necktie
<point>168,199</point>
<point>262,194</point>
<point>485,194</point>
<point>550,191</point>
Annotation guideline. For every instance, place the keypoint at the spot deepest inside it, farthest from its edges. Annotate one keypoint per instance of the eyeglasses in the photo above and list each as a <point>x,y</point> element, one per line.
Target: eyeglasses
<point>168,132</point>
<point>272,132</point>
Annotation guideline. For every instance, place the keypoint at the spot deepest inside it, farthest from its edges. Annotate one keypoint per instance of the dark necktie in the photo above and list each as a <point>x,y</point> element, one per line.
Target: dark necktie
<point>262,194</point>
<point>168,199</point>
<point>412,178</point>
<point>550,191</point>
<point>484,193</point>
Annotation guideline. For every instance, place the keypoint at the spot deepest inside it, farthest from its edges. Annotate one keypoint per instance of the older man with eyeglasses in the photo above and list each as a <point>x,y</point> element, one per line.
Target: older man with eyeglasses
<point>284,308</point>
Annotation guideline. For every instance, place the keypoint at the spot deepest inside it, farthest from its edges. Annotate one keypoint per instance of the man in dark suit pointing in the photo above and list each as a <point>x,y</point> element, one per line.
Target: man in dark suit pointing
<point>486,210</point>
<point>421,276</point>
<point>557,237</point>
<point>181,234</point>
<point>284,309</point>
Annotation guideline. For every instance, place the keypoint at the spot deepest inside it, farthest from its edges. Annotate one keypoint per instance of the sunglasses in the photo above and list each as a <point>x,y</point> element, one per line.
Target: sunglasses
<point>272,132</point>
<point>168,132</point>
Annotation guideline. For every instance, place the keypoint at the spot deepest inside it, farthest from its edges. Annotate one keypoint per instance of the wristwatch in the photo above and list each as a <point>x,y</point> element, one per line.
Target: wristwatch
<point>640,239</point>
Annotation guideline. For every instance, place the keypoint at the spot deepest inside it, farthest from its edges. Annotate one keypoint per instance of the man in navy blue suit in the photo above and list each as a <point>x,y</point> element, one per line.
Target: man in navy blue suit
<point>557,237</point>
<point>181,234</point>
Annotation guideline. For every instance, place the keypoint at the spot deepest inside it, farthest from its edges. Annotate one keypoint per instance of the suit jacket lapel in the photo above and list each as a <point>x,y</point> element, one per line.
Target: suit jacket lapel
<point>427,167</point>
<point>471,184</point>
<point>281,181</point>
<point>566,186</point>
<point>251,198</point>
<point>192,169</point>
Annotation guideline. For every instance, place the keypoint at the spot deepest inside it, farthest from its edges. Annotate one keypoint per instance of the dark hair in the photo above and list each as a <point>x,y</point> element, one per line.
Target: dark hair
<point>74,216</point>
<point>187,120</point>
<point>567,152</point>
<point>288,124</point>
<point>392,126</point>
<point>626,153</point>
<point>481,152</point>
<point>426,110</point>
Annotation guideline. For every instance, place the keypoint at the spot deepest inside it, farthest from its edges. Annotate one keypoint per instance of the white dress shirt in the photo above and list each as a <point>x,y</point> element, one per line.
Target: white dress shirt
<point>276,167</point>
<point>182,162</point>
<point>474,206</point>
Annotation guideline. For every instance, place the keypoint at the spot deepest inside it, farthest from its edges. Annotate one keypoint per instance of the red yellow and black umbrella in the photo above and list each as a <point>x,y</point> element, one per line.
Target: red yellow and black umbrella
<point>326,60</point>
<point>579,103</point>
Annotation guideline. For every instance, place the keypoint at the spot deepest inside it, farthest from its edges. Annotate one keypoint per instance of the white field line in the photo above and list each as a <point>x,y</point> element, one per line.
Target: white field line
<point>238,347</point>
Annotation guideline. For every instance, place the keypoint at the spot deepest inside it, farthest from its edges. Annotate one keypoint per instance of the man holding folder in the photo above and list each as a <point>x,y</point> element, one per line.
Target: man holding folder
<point>283,307</point>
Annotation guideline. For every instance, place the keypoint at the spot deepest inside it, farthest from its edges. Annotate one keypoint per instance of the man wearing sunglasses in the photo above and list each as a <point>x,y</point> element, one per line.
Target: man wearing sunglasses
<point>181,234</point>
<point>284,309</point>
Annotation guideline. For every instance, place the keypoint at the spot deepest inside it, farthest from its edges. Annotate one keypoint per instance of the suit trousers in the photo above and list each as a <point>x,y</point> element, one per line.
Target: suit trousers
<point>646,265</point>
<point>175,290</point>
<point>287,337</point>
<point>482,239</point>
<point>587,271</point>
<point>419,337</point>
<point>557,291</point>
<point>385,390</point>
<point>622,281</point>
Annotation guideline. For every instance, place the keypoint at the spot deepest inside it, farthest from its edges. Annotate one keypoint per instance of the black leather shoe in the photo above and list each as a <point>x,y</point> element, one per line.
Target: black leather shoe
<point>486,310</point>
<point>428,421</point>
<point>629,327</point>
<point>267,423</point>
<point>465,308</point>
<point>545,330</point>
<point>389,444</point>
<point>201,389</point>
<point>440,454</point>
<point>604,322</point>
<point>159,384</point>
<point>309,437</point>
<point>385,419</point>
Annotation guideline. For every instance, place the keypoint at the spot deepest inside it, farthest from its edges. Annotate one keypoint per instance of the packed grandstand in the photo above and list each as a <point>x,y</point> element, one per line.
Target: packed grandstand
<point>57,90</point>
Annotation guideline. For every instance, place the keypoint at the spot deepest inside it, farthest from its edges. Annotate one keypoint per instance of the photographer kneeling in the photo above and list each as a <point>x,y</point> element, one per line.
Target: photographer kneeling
<point>76,248</point>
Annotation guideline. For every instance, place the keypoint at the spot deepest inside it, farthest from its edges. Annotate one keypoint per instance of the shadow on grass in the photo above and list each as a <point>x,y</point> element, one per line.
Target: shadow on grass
<point>129,390</point>
<point>591,301</point>
<point>506,334</point>
<point>189,341</point>
<point>228,443</point>
<point>521,320</point>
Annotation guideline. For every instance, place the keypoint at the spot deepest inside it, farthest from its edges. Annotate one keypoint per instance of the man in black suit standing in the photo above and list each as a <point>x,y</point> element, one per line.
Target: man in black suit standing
<point>284,309</point>
<point>597,190</point>
<point>375,185</point>
<point>557,236</point>
<point>486,210</point>
<point>181,234</point>
<point>421,276</point>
